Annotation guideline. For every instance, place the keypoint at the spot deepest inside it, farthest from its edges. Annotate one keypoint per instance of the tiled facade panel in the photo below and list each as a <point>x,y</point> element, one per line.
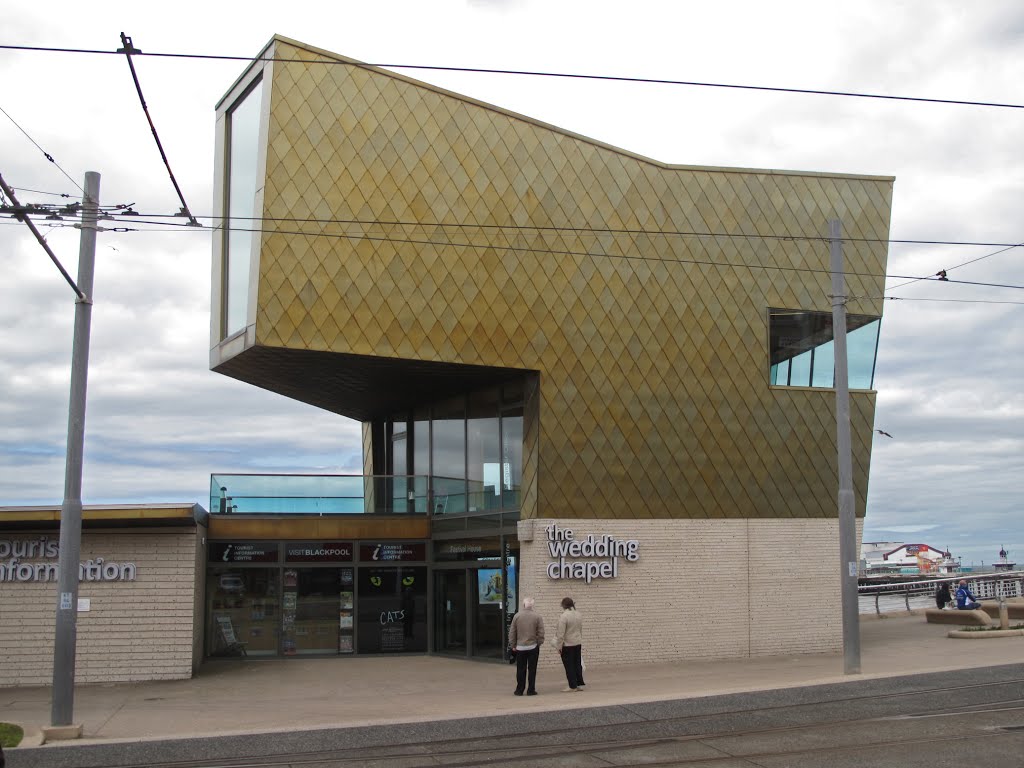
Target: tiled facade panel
<point>701,589</point>
<point>412,223</point>
<point>134,630</point>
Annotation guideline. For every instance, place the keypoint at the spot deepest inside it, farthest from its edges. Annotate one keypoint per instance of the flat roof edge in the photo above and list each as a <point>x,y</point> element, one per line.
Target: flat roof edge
<point>139,513</point>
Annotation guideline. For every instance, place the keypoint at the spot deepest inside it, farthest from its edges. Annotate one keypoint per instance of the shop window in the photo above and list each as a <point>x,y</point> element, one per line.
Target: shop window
<point>242,611</point>
<point>392,609</point>
<point>316,611</point>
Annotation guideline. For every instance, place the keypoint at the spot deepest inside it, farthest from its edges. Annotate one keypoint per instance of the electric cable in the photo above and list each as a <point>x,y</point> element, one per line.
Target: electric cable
<point>46,154</point>
<point>532,73</point>
<point>146,219</point>
<point>697,262</point>
<point>956,301</point>
<point>583,230</point>
<point>41,192</point>
<point>563,252</point>
<point>964,264</point>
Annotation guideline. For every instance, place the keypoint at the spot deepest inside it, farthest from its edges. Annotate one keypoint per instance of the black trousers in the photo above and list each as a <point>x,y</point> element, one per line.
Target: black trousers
<point>526,662</point>
<point>572,660</point>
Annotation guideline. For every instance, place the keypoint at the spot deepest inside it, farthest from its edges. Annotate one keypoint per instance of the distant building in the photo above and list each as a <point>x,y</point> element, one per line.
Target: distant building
<point>888,557</point>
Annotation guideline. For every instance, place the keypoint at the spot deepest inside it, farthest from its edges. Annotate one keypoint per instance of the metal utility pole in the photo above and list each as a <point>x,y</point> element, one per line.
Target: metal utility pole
<point>65,637</point>
<point>847,512</point>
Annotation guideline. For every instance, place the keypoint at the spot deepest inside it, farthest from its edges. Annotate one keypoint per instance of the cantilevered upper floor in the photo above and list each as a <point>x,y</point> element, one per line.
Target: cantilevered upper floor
<point>387,243</point>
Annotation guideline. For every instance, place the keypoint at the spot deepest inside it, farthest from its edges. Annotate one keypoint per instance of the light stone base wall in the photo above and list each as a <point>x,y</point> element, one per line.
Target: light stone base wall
<point>134,630</point>
<point>700,589</point>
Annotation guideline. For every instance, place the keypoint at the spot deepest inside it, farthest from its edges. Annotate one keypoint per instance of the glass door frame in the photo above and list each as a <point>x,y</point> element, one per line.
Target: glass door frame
<point>507,543</point>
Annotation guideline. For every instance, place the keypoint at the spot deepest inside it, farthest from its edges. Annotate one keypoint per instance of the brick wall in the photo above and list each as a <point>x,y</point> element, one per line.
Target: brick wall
<point>700,589</point>
<point>134,630</point>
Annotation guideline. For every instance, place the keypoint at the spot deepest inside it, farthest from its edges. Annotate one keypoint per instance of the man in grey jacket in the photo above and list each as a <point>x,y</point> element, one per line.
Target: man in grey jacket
<point>526,636</point>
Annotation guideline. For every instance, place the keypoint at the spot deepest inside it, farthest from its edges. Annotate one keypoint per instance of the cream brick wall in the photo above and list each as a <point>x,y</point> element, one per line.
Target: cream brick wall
<point>701,589</point>
<point>134,630</point>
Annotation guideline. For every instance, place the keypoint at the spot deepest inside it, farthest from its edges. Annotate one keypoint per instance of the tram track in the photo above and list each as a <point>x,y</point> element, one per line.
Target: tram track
<point>638,731</point>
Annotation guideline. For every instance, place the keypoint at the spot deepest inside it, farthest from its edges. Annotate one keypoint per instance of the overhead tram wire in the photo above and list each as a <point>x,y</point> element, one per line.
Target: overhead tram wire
<point>46,154</point>
<point>532,73</point>
<point>146,218</point>
<point>577,230</point>
<point>41,192</point>
<point>130,50</point>
<point>161,225</point>
<point>943,272</point>
<point>563,252</point>
<point>955,301</point>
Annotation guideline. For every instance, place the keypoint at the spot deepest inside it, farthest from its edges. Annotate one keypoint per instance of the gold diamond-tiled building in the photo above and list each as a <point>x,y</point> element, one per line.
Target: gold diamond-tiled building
<point>612,345</point>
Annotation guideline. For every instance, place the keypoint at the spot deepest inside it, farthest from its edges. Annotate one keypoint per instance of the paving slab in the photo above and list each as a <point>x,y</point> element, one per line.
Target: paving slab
<point>439,697</point>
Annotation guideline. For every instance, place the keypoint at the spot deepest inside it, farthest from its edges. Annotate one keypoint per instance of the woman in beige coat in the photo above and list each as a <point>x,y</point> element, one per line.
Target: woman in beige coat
<point>569,642</point>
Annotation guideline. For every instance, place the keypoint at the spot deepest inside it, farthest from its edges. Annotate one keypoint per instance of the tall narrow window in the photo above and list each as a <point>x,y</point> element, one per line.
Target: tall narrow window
<point>243,127</point>
<point>448,456</point>
<point>483,451</point>
<point>401,484</point>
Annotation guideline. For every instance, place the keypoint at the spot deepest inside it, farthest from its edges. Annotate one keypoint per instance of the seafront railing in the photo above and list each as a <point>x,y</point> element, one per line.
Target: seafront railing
<point>900,595</point>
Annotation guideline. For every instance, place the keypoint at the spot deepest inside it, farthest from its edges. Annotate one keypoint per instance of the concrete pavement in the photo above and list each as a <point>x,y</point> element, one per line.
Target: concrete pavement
<point>237,697</point>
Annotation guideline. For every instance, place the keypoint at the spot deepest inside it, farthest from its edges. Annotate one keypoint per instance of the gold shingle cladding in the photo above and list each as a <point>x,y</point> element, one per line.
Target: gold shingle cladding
<point>416,227</point>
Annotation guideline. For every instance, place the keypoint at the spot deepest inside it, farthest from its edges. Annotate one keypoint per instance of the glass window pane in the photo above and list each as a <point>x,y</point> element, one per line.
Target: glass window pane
<point>312,611</point>
<point>243,159</point>
<point>511,457</point>
<point>483,451</point>
<point>448,455</point>
<point>392,609</point>
<point>400,484</point>
<point>421,442</point>
<point>242,612</point>
<point>780,374</point>
<point>800,370</point>
<point>489,636</point>
<point>861,347</point>
<point>420,456</point>
<point>824,373</point>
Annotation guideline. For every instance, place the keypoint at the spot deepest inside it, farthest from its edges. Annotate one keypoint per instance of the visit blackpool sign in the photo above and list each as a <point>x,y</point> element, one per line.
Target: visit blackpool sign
<point>595,557</point>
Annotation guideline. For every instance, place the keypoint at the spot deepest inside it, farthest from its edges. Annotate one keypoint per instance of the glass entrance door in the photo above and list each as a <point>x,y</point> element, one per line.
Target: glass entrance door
<point>450,611</point>
<point>487,596</point>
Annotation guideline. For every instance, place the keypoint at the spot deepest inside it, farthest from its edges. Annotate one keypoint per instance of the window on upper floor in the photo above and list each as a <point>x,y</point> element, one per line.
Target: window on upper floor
<point>243,126</point>
<point>802,350</point>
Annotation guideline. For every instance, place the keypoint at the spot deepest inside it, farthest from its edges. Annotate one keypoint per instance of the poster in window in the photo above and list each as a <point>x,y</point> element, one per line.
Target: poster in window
<point>489,586</point>
<point>392,614</point>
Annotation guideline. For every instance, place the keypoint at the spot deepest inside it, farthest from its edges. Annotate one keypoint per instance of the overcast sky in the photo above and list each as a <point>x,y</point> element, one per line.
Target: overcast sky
<point>159,422</point>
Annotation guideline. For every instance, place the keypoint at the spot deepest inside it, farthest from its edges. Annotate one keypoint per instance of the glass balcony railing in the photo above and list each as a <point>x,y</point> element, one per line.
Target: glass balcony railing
<point>318,494</point>
<point>355,495</point>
